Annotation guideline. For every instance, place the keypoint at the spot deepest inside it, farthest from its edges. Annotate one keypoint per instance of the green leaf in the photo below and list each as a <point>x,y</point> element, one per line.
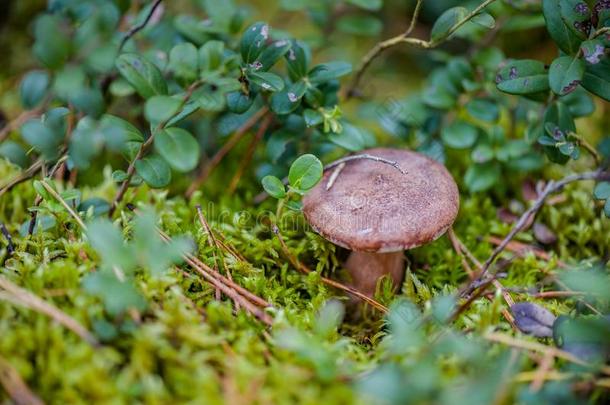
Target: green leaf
<point>286,101</point>
<point>210,98</point>
<point>563,36</point>
<point>360,25</point>
<point>371,5</point>
<point>118,296</point>
<point>482,153</point>
<point>266,80</point>
<point>483,109</point>
<point>352,138</point>
<point>459,134</point>
<point>85,143</point>
<point>481,177</point>
<point>602,190</point>
<point>577,17</point>
<point>607,208</point>
<point>108,241</point>
<point>329,318</point>
<point>557,115</point>
<point>14,153</point>
<point>312,117</point>
<point>154,171</point>
<point>159,109</point>
<point>121,135</point>
<point>305,172</point>
<point>184,61</point>
<point>69,80</point>
<point>329,71</point>
<point>297,59</point>
<point>446,21</point>
<point>272,53</point>
<point>523,77</point>
<point>211,55</point>
<point>565,74</point>
<point>52,46</point>
<point>274,187</point>
<point>42,138</point>
<point>579,102</point>
<point>253,41</point>
<point>178,147</point>
<point>484,20</point>
<point>33,88</point>
<point>145,77</point>
<point>597,79</point>
<point>238,102</point>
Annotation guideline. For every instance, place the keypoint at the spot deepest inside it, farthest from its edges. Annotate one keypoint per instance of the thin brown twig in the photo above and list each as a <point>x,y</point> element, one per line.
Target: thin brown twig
<point>464,253</point>
<point>522,248</point>
<point>302,268</point>
<point>245,161</point>
<point>63,202</point>
<point>551,187</point>
<point>361,156</point>
<point>405,38</point>
<point>15,387</point>
<point>239,295</point>
<point>26,175</point>
<point>136,28</point>
<point>207,168</point>
<point>131,169</point>
<point>29,300</point>
<point>215,274</point>
<point>212,242</point>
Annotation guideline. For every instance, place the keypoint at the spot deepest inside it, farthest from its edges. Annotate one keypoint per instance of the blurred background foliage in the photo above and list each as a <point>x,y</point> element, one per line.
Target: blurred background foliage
<point>167,339</point>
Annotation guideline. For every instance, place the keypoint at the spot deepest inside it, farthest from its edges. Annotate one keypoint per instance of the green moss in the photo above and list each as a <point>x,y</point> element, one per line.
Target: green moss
<point>188,347</point>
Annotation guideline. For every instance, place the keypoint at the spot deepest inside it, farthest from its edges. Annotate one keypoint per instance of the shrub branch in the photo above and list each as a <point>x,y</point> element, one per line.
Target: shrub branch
<point>407,39</point>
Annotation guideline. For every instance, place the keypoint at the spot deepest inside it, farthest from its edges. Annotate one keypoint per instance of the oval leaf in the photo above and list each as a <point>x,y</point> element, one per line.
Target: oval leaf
<point>154,171</point>
<point>459,134</point>
<point>145,77</point>
<point>446,21</point>
<point>33,88</point>
<point>274,187</point>
<point>305,172</point>
<point>178,147</point>
<point>522,77</point>
<point>565,74</point>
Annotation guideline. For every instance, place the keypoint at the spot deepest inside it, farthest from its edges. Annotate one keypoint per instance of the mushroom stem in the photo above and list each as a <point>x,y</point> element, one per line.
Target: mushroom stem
<point>366,268</point>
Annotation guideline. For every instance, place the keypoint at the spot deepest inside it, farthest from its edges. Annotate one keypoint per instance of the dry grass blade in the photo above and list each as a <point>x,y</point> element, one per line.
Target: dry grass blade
<point>15,387</point>
<point>463,251</point>
<point>244,298</point>
<point>63,202</point>
<point>20,296</point>
<point>540,348</point>
<point>302,268</point>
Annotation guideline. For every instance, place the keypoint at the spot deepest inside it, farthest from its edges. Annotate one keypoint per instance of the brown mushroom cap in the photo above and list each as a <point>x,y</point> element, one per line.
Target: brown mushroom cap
<point>373,207</point>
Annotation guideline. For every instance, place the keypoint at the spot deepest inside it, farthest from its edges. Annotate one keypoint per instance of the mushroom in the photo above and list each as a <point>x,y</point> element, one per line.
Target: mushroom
<point>377,211</point>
